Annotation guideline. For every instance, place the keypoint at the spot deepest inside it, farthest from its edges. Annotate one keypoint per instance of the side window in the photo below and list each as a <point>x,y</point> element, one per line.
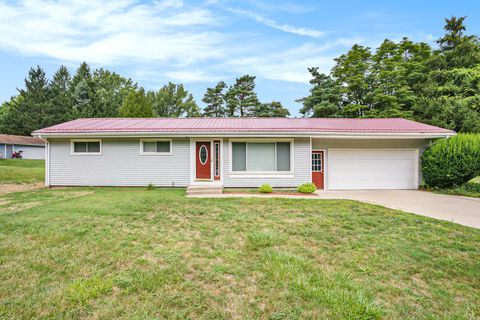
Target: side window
<point>155,147</point>
<point>80,147</point>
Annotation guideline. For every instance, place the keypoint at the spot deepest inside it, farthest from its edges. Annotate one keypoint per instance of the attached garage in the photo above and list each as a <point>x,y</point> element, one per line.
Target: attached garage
<point>372,169</point>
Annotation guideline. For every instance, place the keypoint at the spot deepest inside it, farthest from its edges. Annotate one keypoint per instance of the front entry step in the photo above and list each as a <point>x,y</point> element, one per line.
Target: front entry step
<point>197,190</point>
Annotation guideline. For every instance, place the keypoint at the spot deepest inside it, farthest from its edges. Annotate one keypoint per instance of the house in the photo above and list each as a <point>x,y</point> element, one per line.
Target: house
<point>238,152</point>
<point>32,148</point>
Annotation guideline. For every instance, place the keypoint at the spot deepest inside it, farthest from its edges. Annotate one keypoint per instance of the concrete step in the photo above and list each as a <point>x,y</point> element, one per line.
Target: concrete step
<point>195,190</point>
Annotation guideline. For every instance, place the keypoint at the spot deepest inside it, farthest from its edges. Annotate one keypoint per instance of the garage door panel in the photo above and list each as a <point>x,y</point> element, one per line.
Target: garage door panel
<point>371,169</point>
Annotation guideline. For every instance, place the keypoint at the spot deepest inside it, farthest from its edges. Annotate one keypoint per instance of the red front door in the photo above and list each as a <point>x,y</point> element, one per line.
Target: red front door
<point>203,159</point>
<point>317,169</point>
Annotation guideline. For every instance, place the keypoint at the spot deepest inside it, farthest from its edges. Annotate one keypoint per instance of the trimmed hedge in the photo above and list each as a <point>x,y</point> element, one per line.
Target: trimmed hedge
<point>452,162</point>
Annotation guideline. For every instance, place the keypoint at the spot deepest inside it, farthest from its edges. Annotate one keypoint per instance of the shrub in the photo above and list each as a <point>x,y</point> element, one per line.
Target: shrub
<point>265,188</point>
<point>452,162</point>
<point>307,188</point>
<point>472,186</point>
<point>150,186</point>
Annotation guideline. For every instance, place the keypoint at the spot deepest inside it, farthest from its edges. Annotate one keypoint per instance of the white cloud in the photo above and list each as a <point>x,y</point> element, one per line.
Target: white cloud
<point>109,31</point>
<point>160,41</point>
<point>291,64</point>
<point>283,27</point>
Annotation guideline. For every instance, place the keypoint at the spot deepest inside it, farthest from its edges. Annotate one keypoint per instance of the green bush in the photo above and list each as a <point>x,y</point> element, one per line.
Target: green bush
<point>265,188</point>
<point>451,162</point>
<point>472,186</point>
<point>307,188</point>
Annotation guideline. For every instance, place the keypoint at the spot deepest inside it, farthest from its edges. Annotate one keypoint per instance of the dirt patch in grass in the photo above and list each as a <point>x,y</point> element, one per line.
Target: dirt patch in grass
<point>9,188</point>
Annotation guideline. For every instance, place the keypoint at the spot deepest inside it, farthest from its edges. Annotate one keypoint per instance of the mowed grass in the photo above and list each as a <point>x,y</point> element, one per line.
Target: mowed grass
<point>108,253</point>
<point>21,171</point>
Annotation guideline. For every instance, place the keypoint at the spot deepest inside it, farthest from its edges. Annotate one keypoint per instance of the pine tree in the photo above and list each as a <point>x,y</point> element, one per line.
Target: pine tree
<point>29,110</point>
<point>242,98</point>
<point>273,109</point>
<point>82,92</point>
<point>61,102</point>
<point>215,101</point>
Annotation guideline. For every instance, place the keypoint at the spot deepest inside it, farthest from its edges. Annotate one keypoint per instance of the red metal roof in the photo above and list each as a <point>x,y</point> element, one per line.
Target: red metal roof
<point>20,140</point>
<point>264,125</point>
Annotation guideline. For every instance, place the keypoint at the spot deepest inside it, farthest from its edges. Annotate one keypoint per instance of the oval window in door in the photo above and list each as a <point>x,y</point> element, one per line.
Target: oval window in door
<point>203,154</point>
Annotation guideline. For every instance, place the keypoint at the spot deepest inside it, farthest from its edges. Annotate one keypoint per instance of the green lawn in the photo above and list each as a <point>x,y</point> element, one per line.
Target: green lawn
<point>105,253</point>
<point>21,171</point>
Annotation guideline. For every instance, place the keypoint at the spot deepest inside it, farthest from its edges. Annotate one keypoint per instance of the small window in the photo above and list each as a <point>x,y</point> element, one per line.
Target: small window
<point>317,162</point>
<point>155,147</point>
<point>86,147</point>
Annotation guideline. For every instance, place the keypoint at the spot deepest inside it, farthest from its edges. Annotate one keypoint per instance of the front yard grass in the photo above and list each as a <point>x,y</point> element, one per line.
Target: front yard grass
<point>19,171</point>
<point>86,253</point>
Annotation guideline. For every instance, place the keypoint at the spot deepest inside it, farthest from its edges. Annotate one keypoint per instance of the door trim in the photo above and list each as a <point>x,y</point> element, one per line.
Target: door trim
<point>325,166</point>
<point>193,162</point>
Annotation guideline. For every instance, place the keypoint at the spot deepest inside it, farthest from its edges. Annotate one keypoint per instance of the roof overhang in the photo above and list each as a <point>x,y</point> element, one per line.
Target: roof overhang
<point>320,135</point>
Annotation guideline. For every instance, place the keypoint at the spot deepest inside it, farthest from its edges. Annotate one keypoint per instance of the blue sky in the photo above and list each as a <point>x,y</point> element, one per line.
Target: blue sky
<point>199,43</point>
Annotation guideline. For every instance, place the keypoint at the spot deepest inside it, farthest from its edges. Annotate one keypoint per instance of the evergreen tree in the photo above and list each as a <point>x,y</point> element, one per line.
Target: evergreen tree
<point>214,98</point>
<point>82,93</point>
<point>241,97</point>
<point>28,111</point>
<point>273,109</point>
<point>136,105</point>
<point>61,102</point>
<point>324,99</point>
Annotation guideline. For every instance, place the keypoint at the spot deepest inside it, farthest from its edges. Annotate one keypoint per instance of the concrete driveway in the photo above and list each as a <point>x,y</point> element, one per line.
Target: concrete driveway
<point>461,210</point>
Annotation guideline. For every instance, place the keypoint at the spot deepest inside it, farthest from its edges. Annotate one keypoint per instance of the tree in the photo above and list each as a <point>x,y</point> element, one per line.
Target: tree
<point>173,101</point>
<point>214,98</point>
<point>29,110</point>
<point>241,97</point>
<point>110,89</point>
<point>82,93</point>
<point>272,109</point>
<point>324,99</point>
<point>61,101</point>
<point>352,72</point>
<point>136,105</point>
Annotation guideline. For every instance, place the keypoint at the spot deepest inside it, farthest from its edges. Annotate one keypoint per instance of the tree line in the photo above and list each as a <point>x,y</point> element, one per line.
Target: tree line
<point>406,79</point>
<point>104,94</point>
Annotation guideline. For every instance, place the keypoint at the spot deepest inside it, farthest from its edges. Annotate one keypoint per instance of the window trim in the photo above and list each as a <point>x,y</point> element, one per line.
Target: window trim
<point>142,153</point>
<point>247,173</point>
<point>72,147</point>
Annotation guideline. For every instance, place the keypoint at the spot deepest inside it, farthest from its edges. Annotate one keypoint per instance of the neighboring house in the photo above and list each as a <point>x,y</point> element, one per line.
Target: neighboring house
<point>32,148</point>
<point>238,152</point>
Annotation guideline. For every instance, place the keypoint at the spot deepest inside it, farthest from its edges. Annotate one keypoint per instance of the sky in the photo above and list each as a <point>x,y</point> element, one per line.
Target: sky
<point>199,43</point>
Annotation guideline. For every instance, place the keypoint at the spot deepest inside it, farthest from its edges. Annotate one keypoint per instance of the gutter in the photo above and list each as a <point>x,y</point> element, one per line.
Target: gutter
<point>325,135</point>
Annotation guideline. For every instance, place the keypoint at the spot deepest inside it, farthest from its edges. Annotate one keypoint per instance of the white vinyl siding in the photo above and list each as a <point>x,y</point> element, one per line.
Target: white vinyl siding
<point>120,164</point>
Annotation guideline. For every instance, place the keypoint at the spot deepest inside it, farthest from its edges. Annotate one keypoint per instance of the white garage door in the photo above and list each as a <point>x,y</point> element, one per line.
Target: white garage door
<point>372,169</point>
